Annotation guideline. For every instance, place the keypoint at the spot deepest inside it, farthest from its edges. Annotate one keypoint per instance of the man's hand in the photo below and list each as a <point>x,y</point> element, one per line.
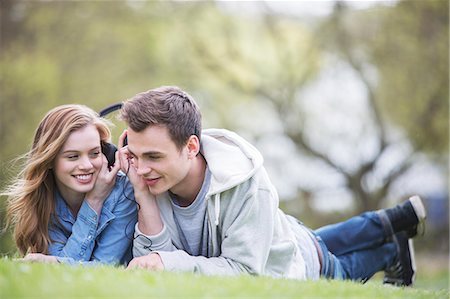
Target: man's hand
<point>128,167</point>
<point>151,262</point>
<point>149,218</point>
<point>39,257</point>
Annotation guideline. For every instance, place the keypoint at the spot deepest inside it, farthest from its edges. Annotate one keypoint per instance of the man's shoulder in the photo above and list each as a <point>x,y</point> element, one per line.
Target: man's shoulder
<point>258,182</point>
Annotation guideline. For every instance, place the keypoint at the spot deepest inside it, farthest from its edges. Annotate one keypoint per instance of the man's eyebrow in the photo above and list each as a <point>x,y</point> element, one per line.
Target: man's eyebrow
<point>149,153</point>
<point>152,153</point>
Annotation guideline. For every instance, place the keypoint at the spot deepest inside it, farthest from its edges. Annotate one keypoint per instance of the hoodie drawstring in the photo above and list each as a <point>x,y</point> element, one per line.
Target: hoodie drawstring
<point>216,208</point>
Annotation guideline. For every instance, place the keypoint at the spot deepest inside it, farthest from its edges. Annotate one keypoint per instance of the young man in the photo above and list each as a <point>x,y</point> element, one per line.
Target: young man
<point>206,205</point>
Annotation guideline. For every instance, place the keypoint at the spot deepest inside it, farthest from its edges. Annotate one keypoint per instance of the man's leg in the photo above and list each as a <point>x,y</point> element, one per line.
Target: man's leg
<point>357,233</point>
<point>359,265</point>
<point>357,240</point>
<point>371,229</point>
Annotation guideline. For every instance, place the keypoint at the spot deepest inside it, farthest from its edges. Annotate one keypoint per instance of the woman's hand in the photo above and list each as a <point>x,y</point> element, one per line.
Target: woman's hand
<point>39,257</point>
<point>104,184</point>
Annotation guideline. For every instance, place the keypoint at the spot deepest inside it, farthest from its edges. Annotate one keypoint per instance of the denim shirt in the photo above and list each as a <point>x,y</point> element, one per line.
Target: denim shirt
<point>90,238</point>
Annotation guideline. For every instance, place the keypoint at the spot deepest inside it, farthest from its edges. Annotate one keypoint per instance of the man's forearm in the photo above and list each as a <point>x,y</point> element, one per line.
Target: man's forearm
<point>149,218</point>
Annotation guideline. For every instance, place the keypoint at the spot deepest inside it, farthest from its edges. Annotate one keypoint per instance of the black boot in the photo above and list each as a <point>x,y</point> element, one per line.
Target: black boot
<point>407,216</point>
<point>403,271</point>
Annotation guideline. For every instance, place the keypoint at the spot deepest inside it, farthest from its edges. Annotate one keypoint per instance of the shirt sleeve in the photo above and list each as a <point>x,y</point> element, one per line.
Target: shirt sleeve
<point>115,241</point>
<point>95,239</point>
<point>80,244</point>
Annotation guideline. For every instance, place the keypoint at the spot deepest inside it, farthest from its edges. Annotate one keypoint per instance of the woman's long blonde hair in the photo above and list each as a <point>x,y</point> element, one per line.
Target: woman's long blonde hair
<point>31,201</point>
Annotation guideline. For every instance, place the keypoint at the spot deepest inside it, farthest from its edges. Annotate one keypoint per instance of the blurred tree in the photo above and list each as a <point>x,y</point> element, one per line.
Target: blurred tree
<point>400,54</point>
<point>272,59</point>
<point>412,59</point>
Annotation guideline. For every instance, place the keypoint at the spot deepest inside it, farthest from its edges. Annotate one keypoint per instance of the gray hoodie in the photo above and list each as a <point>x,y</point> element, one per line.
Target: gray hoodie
<point>248,233</point>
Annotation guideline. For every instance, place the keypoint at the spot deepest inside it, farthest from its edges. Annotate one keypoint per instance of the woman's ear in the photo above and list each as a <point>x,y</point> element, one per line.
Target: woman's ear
<point>193,146</point>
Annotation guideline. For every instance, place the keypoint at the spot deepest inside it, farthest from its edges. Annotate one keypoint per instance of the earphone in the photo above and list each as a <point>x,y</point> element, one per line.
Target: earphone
<point>109,149</point>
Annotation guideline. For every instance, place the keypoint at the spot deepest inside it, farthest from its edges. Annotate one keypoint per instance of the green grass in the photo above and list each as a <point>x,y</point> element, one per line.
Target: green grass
<point>25,280</point>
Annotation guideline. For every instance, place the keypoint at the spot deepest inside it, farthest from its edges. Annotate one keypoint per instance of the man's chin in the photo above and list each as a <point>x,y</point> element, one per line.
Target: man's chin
<point>155,191</point>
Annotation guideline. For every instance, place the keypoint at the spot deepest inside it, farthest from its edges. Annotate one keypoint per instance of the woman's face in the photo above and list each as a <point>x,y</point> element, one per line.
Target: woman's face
<point>78,163</point>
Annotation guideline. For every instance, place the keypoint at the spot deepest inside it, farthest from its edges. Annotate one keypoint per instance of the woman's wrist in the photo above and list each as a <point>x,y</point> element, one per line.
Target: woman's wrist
<point>96,205</point>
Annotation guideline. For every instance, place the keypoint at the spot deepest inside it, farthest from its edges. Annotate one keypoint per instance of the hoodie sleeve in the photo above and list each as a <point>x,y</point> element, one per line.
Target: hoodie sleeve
<point>144,244</point>
<point>246,236</point>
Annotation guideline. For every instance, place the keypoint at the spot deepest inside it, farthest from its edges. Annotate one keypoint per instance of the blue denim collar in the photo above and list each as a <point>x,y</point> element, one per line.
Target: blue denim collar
<point>63,212</point>
<point>62,209</point>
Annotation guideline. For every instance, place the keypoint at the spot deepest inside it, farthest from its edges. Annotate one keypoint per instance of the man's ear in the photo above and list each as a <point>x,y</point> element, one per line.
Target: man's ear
<point>193,146</point>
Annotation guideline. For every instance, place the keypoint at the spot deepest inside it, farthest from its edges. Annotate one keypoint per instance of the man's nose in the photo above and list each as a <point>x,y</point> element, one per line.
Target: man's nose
<point>143,168</point>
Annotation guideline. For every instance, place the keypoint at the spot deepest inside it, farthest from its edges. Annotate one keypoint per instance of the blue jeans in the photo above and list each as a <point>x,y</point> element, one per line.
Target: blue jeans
<point>357,248</point>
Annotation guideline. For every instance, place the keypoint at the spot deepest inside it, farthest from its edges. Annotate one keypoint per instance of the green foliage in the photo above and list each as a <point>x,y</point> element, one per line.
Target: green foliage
<point>413,63</point>
<point>404,51</point>
<point>24,280</point>
<point>98,53</point>
<point>399,53</point>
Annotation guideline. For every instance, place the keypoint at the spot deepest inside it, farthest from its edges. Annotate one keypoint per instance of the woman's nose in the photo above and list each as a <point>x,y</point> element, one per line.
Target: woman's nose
<point>85,163</point>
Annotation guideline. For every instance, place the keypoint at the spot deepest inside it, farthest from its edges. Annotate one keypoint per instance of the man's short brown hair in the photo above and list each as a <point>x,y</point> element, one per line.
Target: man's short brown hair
<point>167,105</point>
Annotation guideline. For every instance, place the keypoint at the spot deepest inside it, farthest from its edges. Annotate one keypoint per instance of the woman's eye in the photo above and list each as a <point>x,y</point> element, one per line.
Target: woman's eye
<point>95,154</point>
<point>72,157</point>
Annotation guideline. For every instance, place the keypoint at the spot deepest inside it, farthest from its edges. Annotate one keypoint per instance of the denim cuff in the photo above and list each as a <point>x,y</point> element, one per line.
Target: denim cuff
<point>87,214</point>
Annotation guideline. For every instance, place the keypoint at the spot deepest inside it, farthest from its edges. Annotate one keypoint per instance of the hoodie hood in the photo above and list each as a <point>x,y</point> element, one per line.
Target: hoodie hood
<point>231,159</point>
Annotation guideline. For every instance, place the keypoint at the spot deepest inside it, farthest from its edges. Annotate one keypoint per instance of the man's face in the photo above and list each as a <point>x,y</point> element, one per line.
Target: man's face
<point>158,160</point>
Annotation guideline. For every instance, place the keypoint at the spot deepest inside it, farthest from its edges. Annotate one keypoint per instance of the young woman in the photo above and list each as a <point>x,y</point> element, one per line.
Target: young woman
<point>67,205</point>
